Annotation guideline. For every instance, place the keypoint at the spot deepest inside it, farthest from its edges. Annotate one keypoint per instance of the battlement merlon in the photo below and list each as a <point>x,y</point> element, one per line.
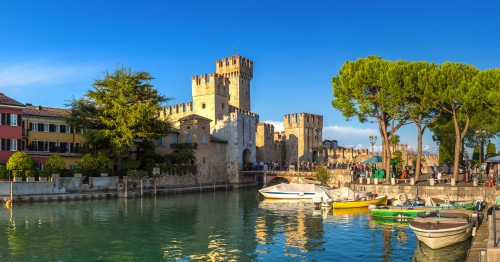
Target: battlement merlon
<point>176,109</point>
<point>303,120</point>
<point>243,112</point>
<point>234,64</point>
<point>210,84</point>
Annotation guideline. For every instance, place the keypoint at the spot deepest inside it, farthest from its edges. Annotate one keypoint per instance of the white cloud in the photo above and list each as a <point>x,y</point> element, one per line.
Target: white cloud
<point>40,72</point>
<point>278,126</point>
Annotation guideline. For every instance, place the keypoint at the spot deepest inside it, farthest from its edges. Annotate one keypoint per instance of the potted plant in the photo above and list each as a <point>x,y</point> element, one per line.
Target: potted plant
<point>43,175</point>
<point>78,172</point>
<point>30,175</point>
<point>18,163</point>
<point>17,175</point>
<point>103,163</point>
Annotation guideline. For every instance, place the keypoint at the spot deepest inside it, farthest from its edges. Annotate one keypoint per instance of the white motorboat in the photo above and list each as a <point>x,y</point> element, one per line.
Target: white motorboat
<point>441,229</point>
<point>295,191</point>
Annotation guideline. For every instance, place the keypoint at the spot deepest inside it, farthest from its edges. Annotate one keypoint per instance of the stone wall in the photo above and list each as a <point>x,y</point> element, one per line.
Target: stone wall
<point>30,188</point>
<point>453,193</point>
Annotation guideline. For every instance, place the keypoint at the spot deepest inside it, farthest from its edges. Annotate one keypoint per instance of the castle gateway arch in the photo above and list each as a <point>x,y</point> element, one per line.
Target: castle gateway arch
<point>247,156</point>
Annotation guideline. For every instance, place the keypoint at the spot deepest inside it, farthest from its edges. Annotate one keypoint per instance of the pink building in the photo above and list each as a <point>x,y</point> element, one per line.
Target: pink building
<point>11,130</point>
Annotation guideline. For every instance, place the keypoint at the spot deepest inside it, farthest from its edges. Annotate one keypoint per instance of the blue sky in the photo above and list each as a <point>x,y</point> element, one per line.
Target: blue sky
<point>51,50</point>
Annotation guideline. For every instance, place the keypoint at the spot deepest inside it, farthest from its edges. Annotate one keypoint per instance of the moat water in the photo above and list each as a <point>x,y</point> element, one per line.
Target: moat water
<point>236,225</point>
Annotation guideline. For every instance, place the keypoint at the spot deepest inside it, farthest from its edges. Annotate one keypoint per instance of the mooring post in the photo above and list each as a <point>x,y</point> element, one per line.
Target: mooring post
<point>265,176</point>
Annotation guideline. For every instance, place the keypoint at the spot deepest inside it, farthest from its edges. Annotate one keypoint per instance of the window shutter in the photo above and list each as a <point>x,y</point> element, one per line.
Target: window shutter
<point>3,118</point>
<point>19,148</point>
<point>62,129</point>
<point>8,119</point>
<point>41,127</point>
<point>51,128</point>
<point>70,147</point>
<point>19,119</point>
<point>71,129</point>
<point>3,144</point>
<point>31,126</point>
<point>7,141</point>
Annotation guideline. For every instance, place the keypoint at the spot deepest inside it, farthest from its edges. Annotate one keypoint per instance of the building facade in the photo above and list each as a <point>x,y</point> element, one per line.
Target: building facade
<point>45,133</point>
<point>11,133</point>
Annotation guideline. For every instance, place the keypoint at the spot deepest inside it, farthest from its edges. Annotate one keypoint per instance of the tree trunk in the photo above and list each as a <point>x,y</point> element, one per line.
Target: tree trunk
<point>456,158</point>
<point>419,153</point>
<point>119,162</point>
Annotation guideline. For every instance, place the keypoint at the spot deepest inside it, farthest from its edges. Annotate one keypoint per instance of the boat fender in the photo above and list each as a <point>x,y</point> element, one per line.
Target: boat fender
<point>301,193</point>
<point>402,198</point>
<point>474,230</point>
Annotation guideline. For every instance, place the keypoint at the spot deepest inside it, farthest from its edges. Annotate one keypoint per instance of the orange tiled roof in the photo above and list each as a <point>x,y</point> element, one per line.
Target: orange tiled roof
<point>5,100</point>
<point>45,111</point>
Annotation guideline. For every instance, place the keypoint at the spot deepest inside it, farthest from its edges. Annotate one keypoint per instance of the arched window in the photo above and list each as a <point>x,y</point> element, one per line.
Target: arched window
<point>203,105</point>
<point>203,139</point>
<point>223,105</point>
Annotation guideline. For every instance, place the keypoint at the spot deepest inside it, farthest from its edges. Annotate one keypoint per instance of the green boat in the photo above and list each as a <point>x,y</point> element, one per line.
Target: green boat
<point>400,213</point>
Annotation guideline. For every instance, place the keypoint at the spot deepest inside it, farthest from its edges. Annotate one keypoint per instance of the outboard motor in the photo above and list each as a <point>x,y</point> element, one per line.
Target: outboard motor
<point>479,206</point>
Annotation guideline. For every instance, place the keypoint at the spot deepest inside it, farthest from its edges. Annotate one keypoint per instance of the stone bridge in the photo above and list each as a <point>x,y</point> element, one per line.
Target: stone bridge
<point>337,176</point>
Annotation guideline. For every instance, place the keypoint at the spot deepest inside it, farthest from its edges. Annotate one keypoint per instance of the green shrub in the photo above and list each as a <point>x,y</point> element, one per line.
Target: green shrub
<point>30,173</point>
<point>55,164</point>
<point>4,173</point>
<point>44,173</point>
<point>17,173</point>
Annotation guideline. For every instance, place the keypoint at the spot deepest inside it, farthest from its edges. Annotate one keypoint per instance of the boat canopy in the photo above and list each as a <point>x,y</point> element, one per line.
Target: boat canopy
<point>345,193</point>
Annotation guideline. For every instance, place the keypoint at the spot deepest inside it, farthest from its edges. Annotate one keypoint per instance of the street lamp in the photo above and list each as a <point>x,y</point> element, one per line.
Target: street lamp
<point>373,140</point>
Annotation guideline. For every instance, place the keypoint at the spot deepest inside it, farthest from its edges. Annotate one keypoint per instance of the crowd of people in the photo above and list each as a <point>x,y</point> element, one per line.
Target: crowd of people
<point>305,166</point>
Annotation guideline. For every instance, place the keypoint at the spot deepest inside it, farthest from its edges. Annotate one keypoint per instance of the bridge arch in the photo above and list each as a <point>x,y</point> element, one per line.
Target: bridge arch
<point>277,180</point>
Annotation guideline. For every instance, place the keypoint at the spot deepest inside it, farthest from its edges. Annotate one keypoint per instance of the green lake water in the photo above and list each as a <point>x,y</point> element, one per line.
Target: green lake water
<point>236,225</point>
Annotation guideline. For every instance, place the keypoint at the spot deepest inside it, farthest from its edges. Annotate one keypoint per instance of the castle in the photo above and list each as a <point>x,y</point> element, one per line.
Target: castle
<point>221,100</point>
<point>222,133</point>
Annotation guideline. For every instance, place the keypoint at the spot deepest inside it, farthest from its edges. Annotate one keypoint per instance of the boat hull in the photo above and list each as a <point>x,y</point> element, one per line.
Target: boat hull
<point>362,203</point>
<point>397,213</point>
<point>441,232</point>
<point>439,240</point>
<point>290,195</point>
<point>293,191</point>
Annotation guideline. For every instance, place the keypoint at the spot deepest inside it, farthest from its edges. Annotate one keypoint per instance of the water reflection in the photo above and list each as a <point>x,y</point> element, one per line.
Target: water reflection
<point>455,252</point>
<point>221,226</point>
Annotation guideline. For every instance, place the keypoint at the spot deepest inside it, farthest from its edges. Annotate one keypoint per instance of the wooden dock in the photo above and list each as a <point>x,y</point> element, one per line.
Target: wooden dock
<point>479,243</point>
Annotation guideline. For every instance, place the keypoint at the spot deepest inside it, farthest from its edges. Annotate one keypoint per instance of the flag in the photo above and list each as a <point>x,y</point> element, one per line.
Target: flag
<point>234,50</point>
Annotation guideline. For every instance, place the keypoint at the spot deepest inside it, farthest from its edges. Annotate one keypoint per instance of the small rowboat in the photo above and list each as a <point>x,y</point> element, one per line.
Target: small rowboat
<point>381,200</point>
<point>438,231</point>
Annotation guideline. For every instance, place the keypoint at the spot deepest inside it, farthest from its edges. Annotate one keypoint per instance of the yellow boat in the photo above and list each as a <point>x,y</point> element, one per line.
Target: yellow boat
<point>381,200</point>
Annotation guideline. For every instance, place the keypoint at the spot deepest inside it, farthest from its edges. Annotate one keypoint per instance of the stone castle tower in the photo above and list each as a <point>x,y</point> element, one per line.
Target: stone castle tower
<point>303,132</point>
<point>211,96</point>
<point>239,71</point>
<point>217,94</point>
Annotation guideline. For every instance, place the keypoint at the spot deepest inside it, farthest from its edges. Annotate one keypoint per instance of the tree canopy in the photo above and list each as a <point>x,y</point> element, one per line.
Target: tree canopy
<point>448,98</point>
<point>55,163</point>
<point>118,112</point>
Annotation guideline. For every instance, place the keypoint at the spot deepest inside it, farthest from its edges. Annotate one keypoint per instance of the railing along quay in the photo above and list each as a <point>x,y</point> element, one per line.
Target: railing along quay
<point>494,221</point>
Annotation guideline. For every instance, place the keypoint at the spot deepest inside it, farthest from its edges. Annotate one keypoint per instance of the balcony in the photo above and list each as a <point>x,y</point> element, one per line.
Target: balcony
<point>184,146</point>
<point>55,149</point>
